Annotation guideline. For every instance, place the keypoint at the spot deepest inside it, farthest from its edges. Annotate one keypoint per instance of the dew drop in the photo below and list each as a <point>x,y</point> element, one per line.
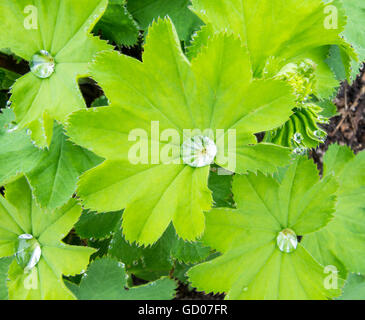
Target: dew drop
<point>198,151</point>
<point>287,240</point>
<point>11,127</point>
<point>42,64</point>
<point>298,137</point>
<point>28,252</point>
<point>300,151</point>
<point>322,120</point>
<point>321,135</point>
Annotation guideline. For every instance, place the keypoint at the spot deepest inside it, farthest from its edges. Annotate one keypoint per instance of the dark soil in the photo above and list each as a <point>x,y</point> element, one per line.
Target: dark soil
<point>348,128</point>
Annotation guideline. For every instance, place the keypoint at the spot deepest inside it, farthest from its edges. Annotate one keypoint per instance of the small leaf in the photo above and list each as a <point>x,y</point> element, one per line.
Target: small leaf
<point>145,11</point>
<point>54,177</point>
<point>118,25</point>
<point>17,153</point>
<point>4,268</point>
<point>97,225</point>
<point>354,288</point>
<point>105,279</point>
<point>142,261</point>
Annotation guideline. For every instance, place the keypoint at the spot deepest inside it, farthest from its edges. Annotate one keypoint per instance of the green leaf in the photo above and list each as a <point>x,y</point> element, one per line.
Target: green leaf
<point>145,12</point>
<point>329,109</point>
<point>167,88</point>
<point>354,288</point>
<point>17,153</point>
<point>52,173</point>
<point>252,265</point>
<point>20,215</point>
<point>106,278</point>
<point>342,242</point>
<point>7,78</point>
<point>157,260</point>
<point>54,178</point>
<point>221,186</point>
<point>61,28</point>
<point>97,225</point>
<point>118,25</point>
<point>355,31</point>
<point>4,268</point>
<point>273,28</point>
<point>336,158</point>
<point>302,131</point>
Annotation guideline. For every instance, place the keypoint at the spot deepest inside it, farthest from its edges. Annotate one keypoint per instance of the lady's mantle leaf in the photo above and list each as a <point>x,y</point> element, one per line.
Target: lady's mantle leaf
<point>61,27</point>
<point>54,178</point>
<point>4,268</point>
<point>252,265</point>
<point>118,25</point>
<point>20,215</point>
<point>145,11</point>
<point>17,153</point>
<point>274,28</point>
<point>355,34</point>
<point>51,173</point>
<point>94,225</point>
<point>106,279</point>
<point>342,242</point>
<point>216,91</point>
<point>142,261</point>
<point>354,288</point>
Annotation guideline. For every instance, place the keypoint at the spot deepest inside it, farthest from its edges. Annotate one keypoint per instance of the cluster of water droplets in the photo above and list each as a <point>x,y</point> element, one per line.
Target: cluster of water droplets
<point>28,252</point>
<point>298,146</point>
<point>198,151</point>
<point>287,241</point>
<point>42,64</point>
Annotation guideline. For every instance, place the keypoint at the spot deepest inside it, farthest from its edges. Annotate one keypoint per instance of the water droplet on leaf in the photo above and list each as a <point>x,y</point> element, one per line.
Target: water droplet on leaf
<point>11,127</point>
<point>322,120</point>
<point>298,137</point>
<point>287,240</point>
<point>198,151</point>
<point>42,64</point>
<point>321,135</point>
<point>28,252</point>
<point>300,151</point>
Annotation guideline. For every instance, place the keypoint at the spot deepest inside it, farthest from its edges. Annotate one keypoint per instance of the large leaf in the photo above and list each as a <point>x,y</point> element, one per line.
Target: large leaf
<point>106,279</point>
<point>20,215</point>
<point>342,242</point>
<point>273,28</point>
<point>252,265</point>
<point>61,27</point>
<point>215,92</point>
